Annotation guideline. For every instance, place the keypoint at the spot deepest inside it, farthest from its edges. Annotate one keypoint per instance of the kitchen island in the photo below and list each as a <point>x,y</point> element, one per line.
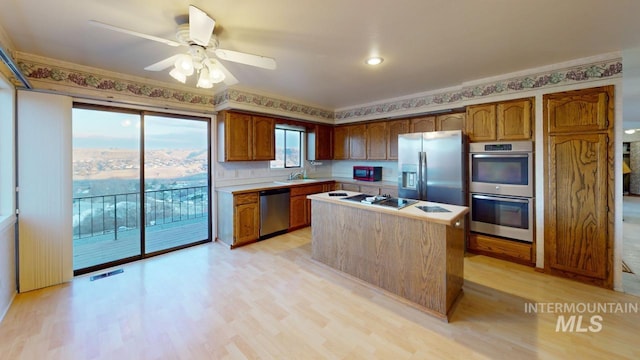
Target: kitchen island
<point>415,255</point>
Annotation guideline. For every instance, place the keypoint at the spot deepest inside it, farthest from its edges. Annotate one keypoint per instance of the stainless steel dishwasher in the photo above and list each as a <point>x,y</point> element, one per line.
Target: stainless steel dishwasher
<point>274,212</point>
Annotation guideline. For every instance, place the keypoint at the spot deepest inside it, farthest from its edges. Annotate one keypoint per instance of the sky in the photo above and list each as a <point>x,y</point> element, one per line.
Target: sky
<point>106,129</point>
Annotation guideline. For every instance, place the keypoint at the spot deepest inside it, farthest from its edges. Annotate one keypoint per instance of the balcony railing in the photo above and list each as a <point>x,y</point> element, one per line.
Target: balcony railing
<point>104,214</point>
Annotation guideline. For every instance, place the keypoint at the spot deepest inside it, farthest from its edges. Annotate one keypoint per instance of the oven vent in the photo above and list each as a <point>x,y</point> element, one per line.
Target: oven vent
<point>104,275</point>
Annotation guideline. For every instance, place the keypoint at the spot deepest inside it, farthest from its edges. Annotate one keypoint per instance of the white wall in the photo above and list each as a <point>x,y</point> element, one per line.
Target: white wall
<point>7,196</point>
<point>7,268</point>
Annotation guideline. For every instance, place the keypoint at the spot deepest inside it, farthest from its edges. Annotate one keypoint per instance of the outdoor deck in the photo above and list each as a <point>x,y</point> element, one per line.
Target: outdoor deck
<point>100,249</point>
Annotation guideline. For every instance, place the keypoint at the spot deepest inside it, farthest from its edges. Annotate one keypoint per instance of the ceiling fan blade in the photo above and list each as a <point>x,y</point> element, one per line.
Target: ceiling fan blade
<point>200,26</point>
<point>247,59</point>
<point>163,64</point>
<point>229,78</point>
<point>134,33</point>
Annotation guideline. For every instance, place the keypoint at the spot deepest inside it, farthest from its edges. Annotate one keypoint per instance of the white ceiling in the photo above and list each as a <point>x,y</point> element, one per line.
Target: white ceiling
<point>320,46</point>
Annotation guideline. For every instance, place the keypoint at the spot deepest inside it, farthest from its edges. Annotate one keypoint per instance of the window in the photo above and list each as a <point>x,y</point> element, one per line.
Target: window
<point>288,149</point>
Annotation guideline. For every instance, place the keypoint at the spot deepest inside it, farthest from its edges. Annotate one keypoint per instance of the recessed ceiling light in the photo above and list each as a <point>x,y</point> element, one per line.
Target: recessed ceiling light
<point>376,60</point>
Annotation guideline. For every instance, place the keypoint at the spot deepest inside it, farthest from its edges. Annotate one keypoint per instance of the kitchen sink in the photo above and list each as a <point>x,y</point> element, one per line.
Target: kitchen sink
<point>295,181</point>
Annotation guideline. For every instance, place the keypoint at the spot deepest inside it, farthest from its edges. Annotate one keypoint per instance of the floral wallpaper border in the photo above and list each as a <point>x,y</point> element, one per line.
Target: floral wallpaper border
<point>243,97</point>
<point>589,72</point>
<point>78,79</point>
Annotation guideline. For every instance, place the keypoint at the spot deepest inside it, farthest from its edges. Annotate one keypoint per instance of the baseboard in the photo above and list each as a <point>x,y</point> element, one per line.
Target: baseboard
<point>5,310</point>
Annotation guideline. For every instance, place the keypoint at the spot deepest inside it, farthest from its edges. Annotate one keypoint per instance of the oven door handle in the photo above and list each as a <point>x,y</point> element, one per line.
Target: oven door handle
<point>493,156</point>
<point>484,197</point>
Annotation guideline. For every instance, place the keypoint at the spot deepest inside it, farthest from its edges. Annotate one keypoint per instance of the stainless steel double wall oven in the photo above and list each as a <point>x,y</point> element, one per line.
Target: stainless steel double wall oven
<point>501,189</point>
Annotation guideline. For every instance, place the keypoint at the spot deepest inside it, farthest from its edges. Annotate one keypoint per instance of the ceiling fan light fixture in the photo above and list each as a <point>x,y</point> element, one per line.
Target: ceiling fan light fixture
<point>216,76</point>
<point>184,64</point>
<point>204,81</point>
<point>178,75</point>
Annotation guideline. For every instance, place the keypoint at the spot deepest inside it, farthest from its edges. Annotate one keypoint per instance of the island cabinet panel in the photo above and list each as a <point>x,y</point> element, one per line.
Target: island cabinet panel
<point>377,141</point>
<point>395,128</point>
<point>413,259</point>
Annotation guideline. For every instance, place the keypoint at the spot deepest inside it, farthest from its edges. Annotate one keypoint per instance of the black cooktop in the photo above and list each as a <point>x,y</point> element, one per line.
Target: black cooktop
<point>388,201</point>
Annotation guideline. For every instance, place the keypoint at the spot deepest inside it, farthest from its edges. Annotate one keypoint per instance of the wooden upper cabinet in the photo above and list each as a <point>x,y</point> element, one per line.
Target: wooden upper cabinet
<point>324,142</point>
<point>514,120</point>
<point>422,124</point>
<point>320,142</point>
<point>575,111</point>
<point>377,141</point>
<point>395,128</point>
<point>245,137</point>
<point>264,138</point>
<point>480,124</point>
<point>238,131</point>
<point>358,142</point>
<point>341,143</point>
<point>450,122</point>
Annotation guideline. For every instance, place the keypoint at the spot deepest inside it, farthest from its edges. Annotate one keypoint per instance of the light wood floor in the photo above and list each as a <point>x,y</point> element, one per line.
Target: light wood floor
<point>269,300</point>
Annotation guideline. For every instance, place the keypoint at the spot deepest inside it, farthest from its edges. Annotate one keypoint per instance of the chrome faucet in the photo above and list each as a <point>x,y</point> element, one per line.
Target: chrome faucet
<point>296,175</point>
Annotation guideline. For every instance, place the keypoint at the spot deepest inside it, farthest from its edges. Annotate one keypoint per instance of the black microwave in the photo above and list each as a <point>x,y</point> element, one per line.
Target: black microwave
<point>367,173</point>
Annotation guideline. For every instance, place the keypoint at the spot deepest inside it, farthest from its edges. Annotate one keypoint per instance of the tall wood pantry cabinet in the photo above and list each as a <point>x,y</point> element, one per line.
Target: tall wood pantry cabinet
<point>579,187</point>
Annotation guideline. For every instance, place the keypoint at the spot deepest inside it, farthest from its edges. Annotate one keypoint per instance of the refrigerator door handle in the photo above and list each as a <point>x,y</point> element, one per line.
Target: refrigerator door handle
<point>423,177</point>
<point>419,180</point>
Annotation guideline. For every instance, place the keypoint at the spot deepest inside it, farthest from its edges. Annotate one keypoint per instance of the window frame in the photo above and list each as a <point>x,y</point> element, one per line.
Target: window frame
<point>301,132</point>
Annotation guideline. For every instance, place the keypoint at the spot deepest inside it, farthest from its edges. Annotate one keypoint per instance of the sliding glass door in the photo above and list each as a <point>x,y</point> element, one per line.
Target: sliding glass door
<point>124,211</point>
<point>106,187</point>
<point>176,183</point>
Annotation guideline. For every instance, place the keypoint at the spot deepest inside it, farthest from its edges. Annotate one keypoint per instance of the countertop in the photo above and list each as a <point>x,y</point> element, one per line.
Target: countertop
<point>238,189</point>
<point>447,218</point>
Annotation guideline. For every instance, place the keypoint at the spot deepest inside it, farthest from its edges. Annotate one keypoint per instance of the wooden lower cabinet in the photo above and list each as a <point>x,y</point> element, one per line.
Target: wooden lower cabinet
<point>514,251</point>
<point>241,225</point>
<point>368,189</point>
<point>300,206</point>
<point>247,219</point>
<point>349,187</point>
<point>298,215</point>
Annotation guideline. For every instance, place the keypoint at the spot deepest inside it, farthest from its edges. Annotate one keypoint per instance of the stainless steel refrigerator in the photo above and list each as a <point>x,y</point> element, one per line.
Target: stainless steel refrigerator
<point>431,167</point>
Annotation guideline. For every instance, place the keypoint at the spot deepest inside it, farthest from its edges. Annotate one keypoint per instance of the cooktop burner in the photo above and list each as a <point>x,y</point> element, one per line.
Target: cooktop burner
<point>433,209</point>
<point>392,202</point>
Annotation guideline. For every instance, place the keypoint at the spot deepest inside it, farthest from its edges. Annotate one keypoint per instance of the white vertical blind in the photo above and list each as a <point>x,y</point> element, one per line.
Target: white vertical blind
<point>44,178</point>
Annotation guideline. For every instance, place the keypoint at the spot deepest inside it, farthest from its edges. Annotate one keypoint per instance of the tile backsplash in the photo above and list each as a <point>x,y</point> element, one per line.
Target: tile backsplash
<point>247,172</point>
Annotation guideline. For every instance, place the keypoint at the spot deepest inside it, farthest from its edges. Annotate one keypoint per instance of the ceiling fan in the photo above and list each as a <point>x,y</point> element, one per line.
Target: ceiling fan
<point>198,36</point>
